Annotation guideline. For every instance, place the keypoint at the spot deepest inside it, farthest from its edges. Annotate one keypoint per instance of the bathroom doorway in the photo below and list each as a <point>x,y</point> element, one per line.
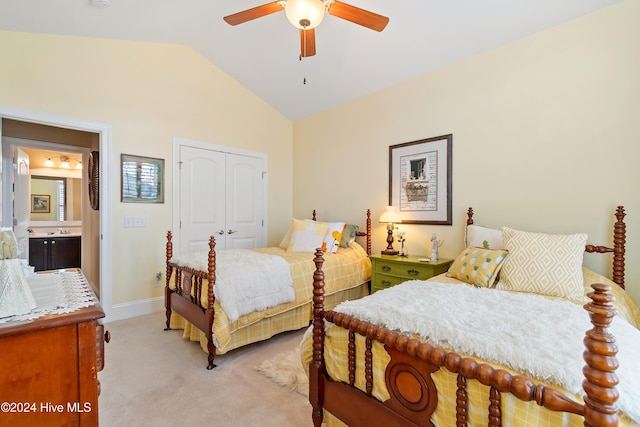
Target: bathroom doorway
<point>53,157</point>
<point>43,131</point>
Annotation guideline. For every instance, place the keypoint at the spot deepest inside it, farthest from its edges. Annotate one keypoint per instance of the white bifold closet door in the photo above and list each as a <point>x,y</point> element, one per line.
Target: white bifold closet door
<point>220,194</point>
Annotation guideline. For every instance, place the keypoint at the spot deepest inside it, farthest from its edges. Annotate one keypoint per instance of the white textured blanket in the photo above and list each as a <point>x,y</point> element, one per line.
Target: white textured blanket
<point>526,332</point>
<point>246,281</point>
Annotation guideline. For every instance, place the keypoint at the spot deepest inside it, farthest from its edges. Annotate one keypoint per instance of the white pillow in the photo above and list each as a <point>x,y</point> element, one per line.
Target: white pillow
<point>306,236</point>
<point>332,237</point>
<point>545,264</point>
<point>483,237</point>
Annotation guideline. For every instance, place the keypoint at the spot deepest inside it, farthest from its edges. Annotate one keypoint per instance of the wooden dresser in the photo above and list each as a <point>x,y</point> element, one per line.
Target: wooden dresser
<point>49,369</point>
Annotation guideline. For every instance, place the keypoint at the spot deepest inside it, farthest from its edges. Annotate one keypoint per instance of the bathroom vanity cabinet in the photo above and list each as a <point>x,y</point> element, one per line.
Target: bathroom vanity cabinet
<point>55,252</point>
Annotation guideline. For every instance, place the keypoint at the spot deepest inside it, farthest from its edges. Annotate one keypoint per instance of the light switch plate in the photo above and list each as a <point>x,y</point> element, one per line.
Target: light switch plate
<point>130,221</point>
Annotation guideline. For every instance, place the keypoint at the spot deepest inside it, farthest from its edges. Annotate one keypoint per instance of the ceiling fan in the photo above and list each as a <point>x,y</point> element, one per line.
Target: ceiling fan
<point>307,14</point>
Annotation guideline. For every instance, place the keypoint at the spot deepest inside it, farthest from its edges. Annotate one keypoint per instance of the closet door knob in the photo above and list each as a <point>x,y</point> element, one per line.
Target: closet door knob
<point>221,232</point>
<point>232,231</point>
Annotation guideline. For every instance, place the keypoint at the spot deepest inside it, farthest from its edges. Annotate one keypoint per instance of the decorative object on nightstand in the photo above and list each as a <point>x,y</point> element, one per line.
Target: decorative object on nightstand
<point>401,239</point>
<point>435,244</point>
<point>388,271</point>
<point>391,216</point>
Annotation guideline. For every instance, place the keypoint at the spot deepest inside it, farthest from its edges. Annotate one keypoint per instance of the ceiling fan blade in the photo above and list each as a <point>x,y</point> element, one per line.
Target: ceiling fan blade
<point>358,16</point>
<point>307,43</point>
<point>253,13</point>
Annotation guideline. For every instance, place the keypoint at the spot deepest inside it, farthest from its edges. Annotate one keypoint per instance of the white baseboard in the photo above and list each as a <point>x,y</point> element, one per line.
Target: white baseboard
<point>128,310</point>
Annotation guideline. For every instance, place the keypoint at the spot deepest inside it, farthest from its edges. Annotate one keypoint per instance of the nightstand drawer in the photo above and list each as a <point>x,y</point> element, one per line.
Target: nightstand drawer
<point>406,270</point>
<point>382,281</point>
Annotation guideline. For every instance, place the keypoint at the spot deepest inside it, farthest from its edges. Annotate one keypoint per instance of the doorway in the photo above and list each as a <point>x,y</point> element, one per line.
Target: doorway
<point>55,132</point>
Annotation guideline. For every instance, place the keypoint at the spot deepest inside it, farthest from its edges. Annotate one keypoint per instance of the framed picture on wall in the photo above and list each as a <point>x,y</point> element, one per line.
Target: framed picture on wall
<point>40,203</point>
<point>142,179</point>
<point>420,180</point>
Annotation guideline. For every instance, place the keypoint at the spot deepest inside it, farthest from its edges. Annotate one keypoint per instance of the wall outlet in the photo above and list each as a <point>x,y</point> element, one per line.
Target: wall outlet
<point>159,279</point>
<point>130,221</point>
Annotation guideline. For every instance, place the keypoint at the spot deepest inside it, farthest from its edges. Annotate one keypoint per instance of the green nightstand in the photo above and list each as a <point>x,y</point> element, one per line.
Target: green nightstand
<point>389,271</point>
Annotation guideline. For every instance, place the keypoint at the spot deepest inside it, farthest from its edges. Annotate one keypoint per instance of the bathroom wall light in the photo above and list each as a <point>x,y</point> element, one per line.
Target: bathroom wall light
<point>65,162</point>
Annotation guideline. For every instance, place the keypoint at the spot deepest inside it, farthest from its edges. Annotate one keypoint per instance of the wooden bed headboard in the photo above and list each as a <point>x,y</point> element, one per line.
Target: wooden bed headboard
<point>618,249</point>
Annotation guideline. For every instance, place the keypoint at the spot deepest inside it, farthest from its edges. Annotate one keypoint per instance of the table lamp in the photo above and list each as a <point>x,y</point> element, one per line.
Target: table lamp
<point>391,216</point>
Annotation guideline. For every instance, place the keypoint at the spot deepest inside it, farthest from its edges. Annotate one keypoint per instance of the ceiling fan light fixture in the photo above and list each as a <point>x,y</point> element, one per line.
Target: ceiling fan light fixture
<point>305,14</point>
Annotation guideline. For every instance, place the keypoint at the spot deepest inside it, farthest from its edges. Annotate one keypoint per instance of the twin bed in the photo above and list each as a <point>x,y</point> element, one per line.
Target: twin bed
<point>442,352</point>
<point>195,283</point>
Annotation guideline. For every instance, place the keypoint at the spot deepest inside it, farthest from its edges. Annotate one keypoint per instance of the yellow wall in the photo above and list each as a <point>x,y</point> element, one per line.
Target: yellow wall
<point>546,137</point>
<point>149,93</point>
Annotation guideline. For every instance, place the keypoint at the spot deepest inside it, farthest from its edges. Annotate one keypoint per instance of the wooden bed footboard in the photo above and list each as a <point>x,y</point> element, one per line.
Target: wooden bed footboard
<point>186,300</point>
<point>413,394</point>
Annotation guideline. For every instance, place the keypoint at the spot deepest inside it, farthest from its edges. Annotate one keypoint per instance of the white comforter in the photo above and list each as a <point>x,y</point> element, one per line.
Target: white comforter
<point>542,337</point>
<point>246,281</point>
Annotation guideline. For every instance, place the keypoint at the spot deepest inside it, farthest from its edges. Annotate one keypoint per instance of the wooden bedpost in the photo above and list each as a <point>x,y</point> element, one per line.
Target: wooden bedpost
<point>316,367</point>
<point>470,216</point>
<point>619,233</point>
<point>167,289</point>
<point>368,231</point>
<point>600,355</point>
<point>210,312</point>
<point>619,239</point>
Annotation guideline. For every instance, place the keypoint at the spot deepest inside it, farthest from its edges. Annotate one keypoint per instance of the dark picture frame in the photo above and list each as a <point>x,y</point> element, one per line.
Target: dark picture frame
<point>142,179</point>
<point>40,203</point>
<point>420,180</point>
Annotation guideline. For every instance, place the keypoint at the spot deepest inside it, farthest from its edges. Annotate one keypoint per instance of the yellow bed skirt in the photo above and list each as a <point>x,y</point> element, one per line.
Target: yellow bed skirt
<point>290,320</point>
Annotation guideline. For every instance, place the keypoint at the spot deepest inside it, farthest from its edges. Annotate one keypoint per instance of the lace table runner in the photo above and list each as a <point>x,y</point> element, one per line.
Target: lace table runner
<point>57,292</point>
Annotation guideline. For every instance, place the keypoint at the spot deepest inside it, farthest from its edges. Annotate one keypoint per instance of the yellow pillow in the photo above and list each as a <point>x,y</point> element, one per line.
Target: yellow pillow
<point>477,266</point>
<point>306,236</point>
<point>545,264</point>
<point>284,243</point>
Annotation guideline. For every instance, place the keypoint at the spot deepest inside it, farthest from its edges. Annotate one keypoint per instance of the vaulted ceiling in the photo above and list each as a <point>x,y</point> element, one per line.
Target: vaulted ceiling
<point>263,54</point>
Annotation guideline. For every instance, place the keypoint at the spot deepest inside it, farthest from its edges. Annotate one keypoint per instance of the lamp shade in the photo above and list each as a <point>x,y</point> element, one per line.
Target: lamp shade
<point>391,215</point>
<point>304,14</point>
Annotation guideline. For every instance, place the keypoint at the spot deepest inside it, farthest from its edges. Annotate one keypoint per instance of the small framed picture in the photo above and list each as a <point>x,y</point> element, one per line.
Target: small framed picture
<point>142,179</point>
<point>40,203</point>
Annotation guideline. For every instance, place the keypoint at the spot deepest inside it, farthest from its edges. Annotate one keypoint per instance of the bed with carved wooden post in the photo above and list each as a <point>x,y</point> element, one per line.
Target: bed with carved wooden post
<point>413,394</point>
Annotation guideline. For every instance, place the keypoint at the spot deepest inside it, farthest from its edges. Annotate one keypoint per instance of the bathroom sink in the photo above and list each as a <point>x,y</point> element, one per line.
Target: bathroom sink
<point>54,234</point>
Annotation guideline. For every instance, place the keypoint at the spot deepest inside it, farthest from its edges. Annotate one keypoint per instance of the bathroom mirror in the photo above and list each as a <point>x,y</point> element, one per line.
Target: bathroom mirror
<point>62,196</point>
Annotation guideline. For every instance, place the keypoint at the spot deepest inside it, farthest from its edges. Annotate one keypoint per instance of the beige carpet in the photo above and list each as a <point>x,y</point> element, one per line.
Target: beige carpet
<point>155,378</point>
